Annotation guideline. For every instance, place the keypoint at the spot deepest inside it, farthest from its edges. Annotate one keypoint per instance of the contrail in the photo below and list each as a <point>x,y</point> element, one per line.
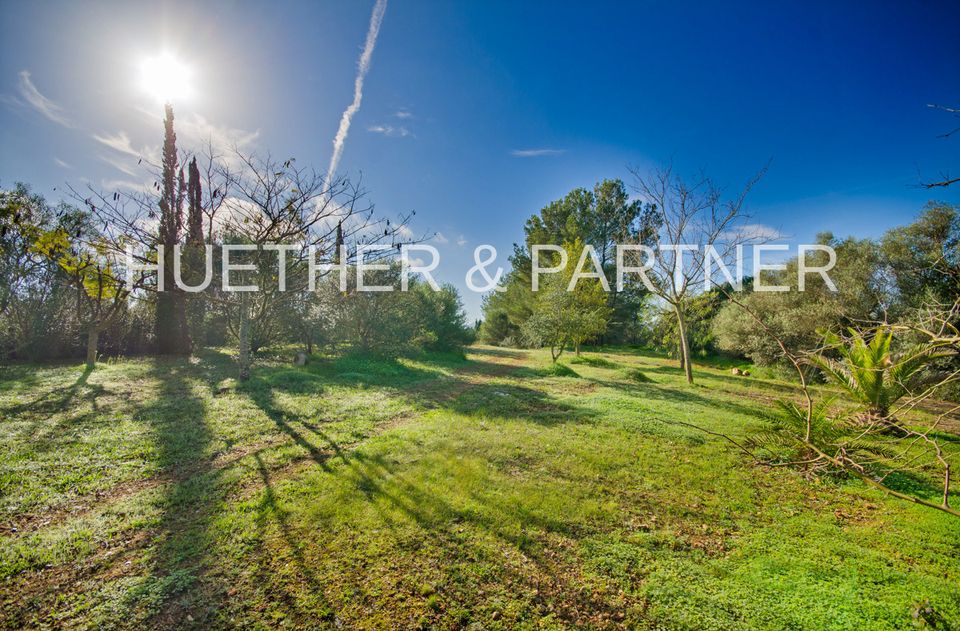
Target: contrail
<point>362,67</point>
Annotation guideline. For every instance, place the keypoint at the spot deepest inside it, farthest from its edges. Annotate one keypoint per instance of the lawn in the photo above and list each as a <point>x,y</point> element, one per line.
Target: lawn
<point>487,492</point>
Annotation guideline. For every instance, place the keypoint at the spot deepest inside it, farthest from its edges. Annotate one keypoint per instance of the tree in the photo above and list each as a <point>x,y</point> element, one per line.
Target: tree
<point>690,214</point>
<point>661,324</point>
<point>193,259</point>
<point>84,257</point>
<point>799,317</point>
<point>565,315</point>
<point>923,258</point>
<point>273,204</point>
<point>36,320</point>
<point>601,217</point>
<point>172,331</point>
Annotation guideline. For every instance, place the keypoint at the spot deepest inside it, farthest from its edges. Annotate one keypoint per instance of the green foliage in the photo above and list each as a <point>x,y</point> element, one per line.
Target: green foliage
<point>602,218</point>
<point>869,372</point>
<point>390,323</point>
<point>798,317</point>
<point>562,315</point>
<point>782,437</point>
<point>660,330</point>
<point>923,258</point>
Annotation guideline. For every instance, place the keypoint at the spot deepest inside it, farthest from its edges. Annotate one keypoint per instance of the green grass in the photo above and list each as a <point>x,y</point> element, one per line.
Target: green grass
<point>495,491</point>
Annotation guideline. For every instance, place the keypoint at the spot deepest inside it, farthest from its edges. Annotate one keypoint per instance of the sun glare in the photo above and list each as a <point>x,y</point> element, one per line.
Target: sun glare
<point>165,78</point>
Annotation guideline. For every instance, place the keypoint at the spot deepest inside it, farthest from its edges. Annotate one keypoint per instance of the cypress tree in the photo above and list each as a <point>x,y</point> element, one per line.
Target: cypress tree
<point>171,319</point>
<point>194,252</point>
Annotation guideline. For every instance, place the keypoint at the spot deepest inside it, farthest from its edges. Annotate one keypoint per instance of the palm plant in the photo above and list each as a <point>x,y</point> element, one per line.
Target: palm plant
<point>868,371</point>
<point>832,439</point>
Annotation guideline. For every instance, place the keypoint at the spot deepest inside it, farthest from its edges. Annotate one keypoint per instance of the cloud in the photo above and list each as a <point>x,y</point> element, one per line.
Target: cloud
<point>536,153</point>
<point>405,232</point>
<point>461,241</point>
<point>119,164</point>
<point>126,185</point>
<point>403,114</point>
<point>40,103</point>
<point>376,18</point>
<point>390,130</point>
<point>60,163</point>
<point>119,142</point>
<point>194,131</point>
<point>439,238</point>
<point>755,232</point>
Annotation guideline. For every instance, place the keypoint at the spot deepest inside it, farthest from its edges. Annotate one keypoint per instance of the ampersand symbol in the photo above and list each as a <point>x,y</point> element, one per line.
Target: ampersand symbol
<point>481,267</point>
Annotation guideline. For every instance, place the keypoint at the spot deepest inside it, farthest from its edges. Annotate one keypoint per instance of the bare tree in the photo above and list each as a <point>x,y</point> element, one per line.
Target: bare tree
<point>278,204</point>
<point>699,227</point>
<point>944,180</point>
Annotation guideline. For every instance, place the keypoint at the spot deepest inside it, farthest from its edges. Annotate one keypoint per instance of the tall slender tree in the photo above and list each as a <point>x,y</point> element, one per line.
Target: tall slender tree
<point>194,205</point>
<point>194,254</point>
<point>172,334</point>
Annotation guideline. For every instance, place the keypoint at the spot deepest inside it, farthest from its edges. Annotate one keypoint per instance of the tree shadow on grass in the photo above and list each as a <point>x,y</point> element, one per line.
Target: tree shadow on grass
<point>683,396</point>
<point>438,517</point>
<point>496,351</point>
<point>173,594</point>
<point>270,509</point>
<point>58,400</point>
<point>513,402</point>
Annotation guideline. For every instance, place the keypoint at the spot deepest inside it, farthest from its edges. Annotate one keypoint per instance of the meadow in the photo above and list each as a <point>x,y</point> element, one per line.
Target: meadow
<point>488,491</point>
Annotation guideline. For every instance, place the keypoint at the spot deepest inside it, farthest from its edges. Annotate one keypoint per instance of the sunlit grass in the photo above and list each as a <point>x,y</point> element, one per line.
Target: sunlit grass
<point>436,490</point>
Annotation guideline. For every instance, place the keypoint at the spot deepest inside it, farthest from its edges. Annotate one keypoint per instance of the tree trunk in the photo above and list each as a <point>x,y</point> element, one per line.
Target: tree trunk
<point>684,346</point>
<point>244,335</point>
<point>93,336</point>
<point>577,349</point>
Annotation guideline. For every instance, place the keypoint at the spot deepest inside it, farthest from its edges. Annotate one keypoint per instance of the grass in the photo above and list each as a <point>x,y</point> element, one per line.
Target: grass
<point>445,492</point>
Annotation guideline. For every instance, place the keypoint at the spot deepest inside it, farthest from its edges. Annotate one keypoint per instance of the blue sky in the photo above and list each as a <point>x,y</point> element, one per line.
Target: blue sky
<point>478,114</point>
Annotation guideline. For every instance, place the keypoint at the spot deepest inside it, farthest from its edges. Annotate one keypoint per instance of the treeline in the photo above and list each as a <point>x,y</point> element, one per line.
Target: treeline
<point>883,280</point>
<point>80,278</point>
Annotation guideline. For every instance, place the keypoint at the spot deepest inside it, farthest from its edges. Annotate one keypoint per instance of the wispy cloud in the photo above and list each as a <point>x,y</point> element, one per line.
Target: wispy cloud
<point>439,238</point>
<point>376,18</point>
<point>755,232</point>
<point>461,241</point>
<point>119,142</point>
<point>197,133</point>
<point>119,163</point>
<point>403,114</point>
<point>390,130</point>
<point>126,185</point>
<point>60,163</point>
<point>536,153</point>
<point>43,105</point>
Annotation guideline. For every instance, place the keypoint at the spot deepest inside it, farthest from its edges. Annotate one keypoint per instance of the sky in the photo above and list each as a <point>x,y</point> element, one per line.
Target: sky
<point>477,114</point>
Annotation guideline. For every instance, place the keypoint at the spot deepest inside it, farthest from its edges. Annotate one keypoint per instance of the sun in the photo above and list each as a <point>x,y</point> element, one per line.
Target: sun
<point>165,78</point>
